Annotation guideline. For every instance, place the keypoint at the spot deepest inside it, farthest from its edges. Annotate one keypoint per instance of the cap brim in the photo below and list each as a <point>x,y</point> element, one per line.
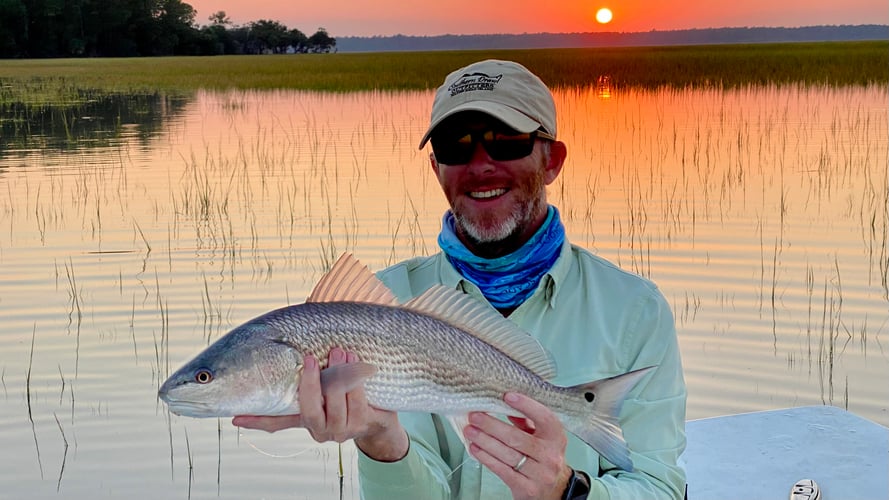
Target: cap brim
<point>509,116</point>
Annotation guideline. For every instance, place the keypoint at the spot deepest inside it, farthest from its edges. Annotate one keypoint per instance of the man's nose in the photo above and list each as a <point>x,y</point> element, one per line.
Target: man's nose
<point>480,161</point>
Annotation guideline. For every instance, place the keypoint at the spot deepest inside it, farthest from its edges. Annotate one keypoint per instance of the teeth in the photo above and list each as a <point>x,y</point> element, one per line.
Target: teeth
<point>487,194</point>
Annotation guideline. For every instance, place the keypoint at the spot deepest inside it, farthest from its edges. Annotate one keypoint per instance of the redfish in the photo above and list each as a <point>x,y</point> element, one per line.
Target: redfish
<point>442,352</point>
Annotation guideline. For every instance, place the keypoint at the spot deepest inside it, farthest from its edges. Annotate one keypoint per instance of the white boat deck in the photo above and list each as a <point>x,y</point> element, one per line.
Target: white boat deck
<point>761,455</point>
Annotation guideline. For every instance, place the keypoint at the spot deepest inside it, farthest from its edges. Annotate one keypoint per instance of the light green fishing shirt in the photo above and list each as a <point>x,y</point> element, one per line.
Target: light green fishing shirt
<point>597,321</point>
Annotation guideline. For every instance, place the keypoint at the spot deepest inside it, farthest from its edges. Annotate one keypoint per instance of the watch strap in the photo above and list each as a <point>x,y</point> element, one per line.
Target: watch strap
<point>578,486</point>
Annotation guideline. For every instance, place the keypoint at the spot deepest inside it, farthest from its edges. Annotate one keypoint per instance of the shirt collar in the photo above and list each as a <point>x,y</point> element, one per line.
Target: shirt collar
<point>558,274</point>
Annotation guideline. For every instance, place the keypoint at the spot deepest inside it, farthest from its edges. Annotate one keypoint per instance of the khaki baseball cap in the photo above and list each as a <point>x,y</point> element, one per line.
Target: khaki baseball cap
<point>503,89</point>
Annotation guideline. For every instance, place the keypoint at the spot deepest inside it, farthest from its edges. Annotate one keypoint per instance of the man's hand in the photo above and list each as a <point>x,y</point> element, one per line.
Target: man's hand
<point>540,437</point>
<point>337,415</point>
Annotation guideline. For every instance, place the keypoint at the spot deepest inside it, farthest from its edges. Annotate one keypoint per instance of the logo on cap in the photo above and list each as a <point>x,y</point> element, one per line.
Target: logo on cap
<point>473,81</point>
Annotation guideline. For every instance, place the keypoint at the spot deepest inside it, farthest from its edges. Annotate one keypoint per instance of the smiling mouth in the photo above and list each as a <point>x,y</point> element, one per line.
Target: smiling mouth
<point>485,195</point>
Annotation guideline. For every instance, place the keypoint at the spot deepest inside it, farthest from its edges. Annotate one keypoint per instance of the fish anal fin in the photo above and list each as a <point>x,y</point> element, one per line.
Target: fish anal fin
<point>458,423</point>
<point>351,281</point>
<point>485,323</point>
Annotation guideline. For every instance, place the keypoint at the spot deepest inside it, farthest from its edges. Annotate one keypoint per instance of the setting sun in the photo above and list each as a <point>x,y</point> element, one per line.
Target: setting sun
<point>603,15</point>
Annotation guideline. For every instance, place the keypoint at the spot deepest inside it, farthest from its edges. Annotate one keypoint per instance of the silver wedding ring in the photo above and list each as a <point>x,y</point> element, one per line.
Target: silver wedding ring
<point>519,465</point>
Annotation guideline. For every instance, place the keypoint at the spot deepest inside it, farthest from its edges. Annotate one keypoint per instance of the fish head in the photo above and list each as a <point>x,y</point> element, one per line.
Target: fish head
<point>249,371</point>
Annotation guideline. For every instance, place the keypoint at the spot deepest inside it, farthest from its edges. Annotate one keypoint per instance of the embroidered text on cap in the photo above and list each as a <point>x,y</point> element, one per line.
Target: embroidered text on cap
<point>473,81</point>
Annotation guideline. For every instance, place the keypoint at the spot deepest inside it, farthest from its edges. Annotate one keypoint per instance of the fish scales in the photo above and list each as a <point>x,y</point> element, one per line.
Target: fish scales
<point>407,346</point>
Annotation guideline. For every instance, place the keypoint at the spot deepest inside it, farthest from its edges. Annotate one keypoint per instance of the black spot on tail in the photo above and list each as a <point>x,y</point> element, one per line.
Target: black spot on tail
<point>590,397</point>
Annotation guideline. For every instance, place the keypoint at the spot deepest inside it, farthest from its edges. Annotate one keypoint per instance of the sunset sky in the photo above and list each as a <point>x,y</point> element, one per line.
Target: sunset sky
<point>390,17</point>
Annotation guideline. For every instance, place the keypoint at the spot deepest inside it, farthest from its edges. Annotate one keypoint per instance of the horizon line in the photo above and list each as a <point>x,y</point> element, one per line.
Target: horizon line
<point>653,30</point>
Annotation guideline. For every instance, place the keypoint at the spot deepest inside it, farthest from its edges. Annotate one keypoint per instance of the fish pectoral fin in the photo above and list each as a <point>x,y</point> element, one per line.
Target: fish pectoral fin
<point>346,377</point>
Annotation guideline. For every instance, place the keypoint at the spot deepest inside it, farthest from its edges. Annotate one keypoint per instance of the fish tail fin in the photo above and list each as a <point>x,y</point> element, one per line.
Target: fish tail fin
<point>595,419</point>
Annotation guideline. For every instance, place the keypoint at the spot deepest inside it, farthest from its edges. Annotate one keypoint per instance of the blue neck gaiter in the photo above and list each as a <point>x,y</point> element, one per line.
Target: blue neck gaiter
<point>509,280</point>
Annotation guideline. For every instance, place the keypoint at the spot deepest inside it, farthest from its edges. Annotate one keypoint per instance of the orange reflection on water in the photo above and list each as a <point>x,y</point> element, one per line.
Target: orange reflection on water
<point>603,86</point>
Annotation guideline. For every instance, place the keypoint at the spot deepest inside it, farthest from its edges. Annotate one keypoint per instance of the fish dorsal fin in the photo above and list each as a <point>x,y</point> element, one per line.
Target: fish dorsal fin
<point>351,281</point>
<point>487,324</point>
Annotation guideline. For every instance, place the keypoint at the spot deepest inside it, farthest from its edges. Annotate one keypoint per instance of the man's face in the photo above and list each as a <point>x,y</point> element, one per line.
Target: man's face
<point>493,201</point>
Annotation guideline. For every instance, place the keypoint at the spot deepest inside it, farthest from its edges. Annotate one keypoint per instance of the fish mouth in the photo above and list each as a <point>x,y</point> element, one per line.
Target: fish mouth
<point>186,408</point>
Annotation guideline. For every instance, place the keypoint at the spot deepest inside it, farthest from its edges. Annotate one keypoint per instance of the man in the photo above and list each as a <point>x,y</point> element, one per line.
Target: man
<point>494,151</point>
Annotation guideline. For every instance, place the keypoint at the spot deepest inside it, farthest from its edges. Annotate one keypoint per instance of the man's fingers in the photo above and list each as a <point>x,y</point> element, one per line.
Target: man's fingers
<point>500,438</point>
<point>311,402</point>
<point>544,422</point>
<point>500,467</point>
<point>334,399</point>
<point>491,438</point>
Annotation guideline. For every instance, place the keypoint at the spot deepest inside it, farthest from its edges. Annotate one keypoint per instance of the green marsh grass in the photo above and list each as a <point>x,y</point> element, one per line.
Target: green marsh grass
<point>72,80</point>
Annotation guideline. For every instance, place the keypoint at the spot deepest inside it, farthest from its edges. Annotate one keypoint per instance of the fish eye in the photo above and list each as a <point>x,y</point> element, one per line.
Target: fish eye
<point>203,376</point>
<point>589,396</point>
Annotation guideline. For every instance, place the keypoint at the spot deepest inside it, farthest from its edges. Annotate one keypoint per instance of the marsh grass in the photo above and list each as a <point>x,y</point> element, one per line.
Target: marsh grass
<point>28,397</point>
<point>64,454</point>
<point>76,80</point>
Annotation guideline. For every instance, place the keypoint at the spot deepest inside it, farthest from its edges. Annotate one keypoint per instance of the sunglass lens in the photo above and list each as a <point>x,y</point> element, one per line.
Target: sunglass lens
<point>453,150</point>
<point>505,147</point>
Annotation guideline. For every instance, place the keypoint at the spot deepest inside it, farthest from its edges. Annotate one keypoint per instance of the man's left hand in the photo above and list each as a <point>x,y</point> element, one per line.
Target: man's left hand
<point>539,436</point>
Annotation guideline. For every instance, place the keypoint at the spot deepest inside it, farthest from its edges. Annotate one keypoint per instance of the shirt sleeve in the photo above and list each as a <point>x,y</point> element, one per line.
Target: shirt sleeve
<point>653,415</point>
<point>422,473</point>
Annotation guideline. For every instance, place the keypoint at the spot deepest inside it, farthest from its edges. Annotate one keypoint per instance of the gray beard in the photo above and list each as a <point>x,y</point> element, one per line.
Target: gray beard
<point>504,229</point>
<point>499,232</point>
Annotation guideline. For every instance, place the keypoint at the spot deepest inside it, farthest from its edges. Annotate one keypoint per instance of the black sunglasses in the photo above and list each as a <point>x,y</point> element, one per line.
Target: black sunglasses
<point>455,147</point>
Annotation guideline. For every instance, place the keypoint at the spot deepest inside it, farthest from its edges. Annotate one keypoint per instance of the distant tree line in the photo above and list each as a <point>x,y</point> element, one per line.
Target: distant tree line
<point>706,36</point>
<point>126,28</point>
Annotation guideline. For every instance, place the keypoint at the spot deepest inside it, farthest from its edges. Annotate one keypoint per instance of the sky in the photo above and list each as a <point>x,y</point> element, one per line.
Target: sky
<point>424,17</point>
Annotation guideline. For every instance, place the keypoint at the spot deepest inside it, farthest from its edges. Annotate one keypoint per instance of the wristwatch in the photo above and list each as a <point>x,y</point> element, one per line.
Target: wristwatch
<point>578,486</point>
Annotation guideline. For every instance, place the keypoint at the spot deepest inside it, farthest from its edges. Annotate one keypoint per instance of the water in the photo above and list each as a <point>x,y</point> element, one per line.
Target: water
<point>134,232</point>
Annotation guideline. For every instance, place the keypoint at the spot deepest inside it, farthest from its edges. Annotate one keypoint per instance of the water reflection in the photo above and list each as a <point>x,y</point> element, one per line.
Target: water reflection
<point>760,212</point>
<point>603,86</point>
<point>92,121</point>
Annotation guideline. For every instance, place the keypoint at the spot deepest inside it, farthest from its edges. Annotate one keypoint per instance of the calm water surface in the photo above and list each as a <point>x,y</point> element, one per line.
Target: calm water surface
<point>132,233</point>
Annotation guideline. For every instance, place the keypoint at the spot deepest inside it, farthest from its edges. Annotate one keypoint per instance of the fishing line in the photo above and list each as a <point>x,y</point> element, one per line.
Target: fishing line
<point>469,458</point>
<point>272,455</point>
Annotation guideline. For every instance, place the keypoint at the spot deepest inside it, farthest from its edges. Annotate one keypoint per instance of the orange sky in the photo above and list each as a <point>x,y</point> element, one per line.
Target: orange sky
<point>389,17</point>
